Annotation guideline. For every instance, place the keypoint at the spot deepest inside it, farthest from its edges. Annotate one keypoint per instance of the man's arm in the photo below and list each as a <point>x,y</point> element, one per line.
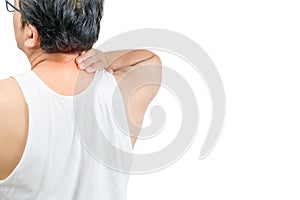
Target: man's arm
<point>13,126</point>
<point>138,73</point>
<point>125,58</point>
<point>94,60</point>
<point>139,84</point>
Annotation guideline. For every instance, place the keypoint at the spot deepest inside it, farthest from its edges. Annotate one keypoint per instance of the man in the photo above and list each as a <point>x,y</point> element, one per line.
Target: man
<point>42,155</point>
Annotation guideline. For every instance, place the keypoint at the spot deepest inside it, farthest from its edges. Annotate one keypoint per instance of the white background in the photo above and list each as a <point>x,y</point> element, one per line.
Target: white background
<point>255,46</point>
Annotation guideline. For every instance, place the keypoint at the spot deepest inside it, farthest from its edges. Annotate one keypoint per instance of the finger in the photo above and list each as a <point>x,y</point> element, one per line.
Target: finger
<point>93,61</point>
<point>94,67</point>
<point>89,53</point>
<point>90,70</point>
<point>80,58</point>
<point>95,58</point>
<point>86,55</point>
<point>109,70</point>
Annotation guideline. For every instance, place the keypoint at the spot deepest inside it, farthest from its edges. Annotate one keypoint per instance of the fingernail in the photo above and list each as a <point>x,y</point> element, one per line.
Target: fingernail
<point>109,70</point>
<point>79,60</point>
<point>81,66</point>
<point>89,69</point>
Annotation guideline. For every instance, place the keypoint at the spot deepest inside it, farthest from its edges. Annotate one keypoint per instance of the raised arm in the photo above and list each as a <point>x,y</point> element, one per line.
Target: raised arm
<point>94,60</point>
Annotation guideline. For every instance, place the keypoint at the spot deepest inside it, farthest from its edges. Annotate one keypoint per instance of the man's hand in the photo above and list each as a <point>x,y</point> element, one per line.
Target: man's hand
<point>92,60</point>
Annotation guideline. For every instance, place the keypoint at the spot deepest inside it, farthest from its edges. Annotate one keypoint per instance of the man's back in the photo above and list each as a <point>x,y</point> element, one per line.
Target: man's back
<point>14,114</point>
<point>57,163</point>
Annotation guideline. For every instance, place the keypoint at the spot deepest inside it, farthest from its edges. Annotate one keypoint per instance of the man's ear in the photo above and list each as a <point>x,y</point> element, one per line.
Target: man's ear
<point>31,36</point>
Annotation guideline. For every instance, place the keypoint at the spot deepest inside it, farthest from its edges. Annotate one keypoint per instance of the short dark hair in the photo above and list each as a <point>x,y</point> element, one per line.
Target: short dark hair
<point>65,26</point>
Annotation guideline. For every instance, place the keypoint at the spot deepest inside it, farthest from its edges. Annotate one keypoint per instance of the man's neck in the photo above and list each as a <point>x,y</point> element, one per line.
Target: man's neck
<point>59,72</point>
<point>55,61</point>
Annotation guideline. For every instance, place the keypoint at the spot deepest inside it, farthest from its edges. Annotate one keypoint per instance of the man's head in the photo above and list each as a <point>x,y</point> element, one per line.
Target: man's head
<point>59,26</point>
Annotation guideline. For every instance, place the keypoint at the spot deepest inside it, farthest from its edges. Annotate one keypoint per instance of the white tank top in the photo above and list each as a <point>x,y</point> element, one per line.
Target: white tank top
<point>65,157</point>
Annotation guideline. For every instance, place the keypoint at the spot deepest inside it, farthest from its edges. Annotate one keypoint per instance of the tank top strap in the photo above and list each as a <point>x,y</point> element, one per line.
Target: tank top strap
<point>30,87</point>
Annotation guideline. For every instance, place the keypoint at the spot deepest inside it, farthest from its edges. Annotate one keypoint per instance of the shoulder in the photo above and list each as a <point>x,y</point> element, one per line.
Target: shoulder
<point>11,96</point>
<point>6,86</point>
<point>12,107</point>
<point>140,83</point>
<point>13,125</point>
<point>144,77</point>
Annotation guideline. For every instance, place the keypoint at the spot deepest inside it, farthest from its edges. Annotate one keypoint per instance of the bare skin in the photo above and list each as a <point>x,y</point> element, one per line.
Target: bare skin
<point>131,69</point>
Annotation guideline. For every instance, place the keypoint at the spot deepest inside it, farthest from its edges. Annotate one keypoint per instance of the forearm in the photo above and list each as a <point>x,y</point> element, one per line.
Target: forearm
<point>124,58</point>
<point>95,60</point>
